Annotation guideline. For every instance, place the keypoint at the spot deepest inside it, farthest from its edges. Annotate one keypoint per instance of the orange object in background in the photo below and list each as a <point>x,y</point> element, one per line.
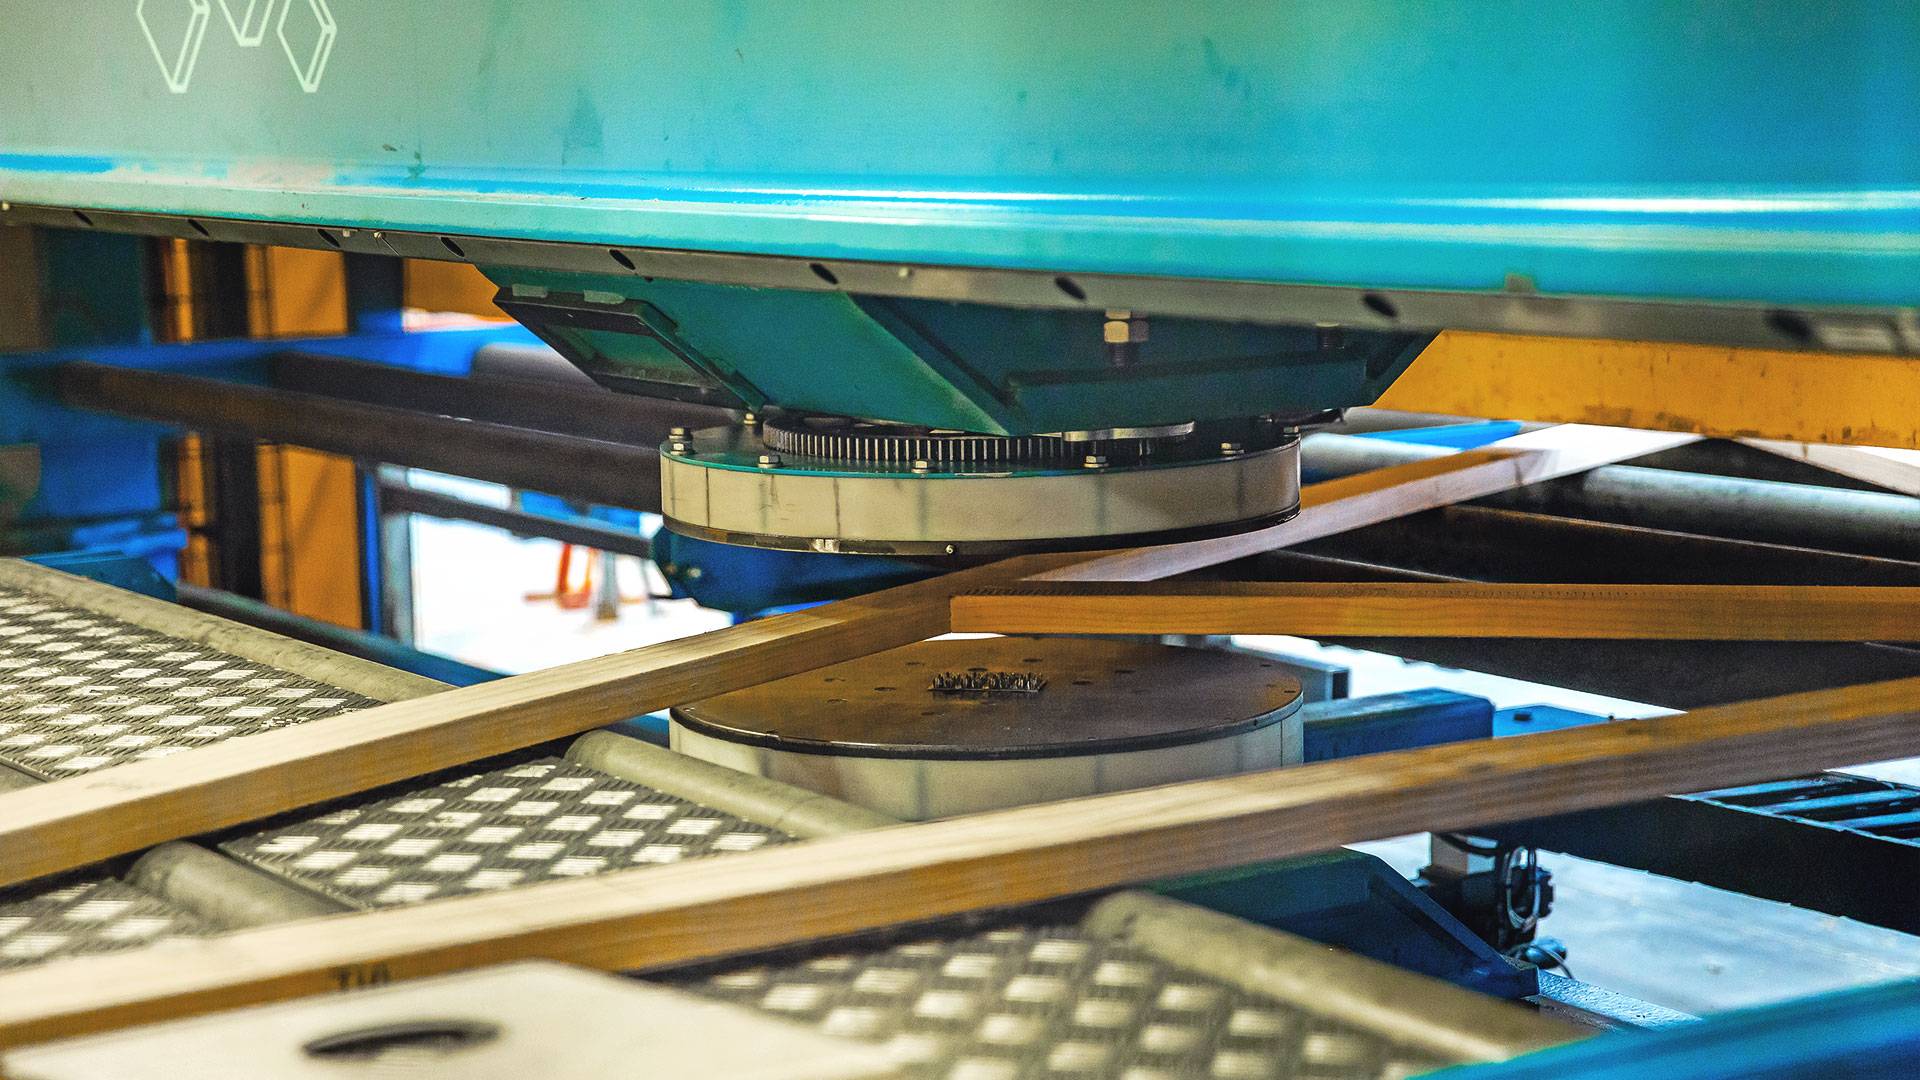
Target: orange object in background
<point>309,501</point>
<point>309,534</point>
<point>563,594</point>
<point>448,286</point>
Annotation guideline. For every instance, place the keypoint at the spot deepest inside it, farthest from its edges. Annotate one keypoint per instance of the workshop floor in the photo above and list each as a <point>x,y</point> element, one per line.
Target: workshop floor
<point>1673,943</point>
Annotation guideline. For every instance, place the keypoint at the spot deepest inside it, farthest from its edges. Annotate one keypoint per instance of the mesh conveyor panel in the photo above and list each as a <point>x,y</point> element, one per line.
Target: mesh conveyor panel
<point>88,917</point>
<point>81,691</point>
<point>1053,1003</point>
<point>496,830</point>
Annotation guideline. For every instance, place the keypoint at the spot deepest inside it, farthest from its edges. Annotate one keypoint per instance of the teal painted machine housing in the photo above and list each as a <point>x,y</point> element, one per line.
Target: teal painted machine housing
<point>942,364</point>
<point>1752,150</point>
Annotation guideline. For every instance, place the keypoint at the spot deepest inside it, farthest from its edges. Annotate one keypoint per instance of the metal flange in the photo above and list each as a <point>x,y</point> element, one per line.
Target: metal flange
<point>715,485</point>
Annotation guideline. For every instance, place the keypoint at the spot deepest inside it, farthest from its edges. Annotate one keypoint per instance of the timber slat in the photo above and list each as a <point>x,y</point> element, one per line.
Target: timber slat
<point>1368,498</point>
<point>1631,612</point>
<point>662,916</point>
<point>73,822</point>
<point>83,819</point>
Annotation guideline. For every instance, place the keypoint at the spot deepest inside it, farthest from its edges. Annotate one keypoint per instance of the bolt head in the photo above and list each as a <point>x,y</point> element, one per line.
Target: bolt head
<point>677,432</point>
<point>1095,461</point>
<point>1229,449</point>
<point>769,461</point>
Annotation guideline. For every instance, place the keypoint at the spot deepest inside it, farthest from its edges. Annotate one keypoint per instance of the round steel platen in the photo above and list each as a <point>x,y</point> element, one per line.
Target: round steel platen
<point>1098,697</point>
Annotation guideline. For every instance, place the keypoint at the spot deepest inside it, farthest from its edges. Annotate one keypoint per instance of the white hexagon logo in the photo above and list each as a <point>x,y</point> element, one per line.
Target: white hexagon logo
<point>249,25</point>
<point>309,41</point>
<point>175,29</point>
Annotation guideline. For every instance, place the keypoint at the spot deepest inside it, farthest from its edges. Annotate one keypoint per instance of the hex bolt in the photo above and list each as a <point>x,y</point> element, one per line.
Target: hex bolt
<point>922,465</point>
<point>677,432</point>
<point>750,420</point>
<point>1095,461</point>
<point>769,461</point>
<point>1231,449</point>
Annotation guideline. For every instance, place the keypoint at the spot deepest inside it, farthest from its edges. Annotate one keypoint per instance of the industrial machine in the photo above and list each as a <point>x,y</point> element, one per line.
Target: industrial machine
<point>909,320</point>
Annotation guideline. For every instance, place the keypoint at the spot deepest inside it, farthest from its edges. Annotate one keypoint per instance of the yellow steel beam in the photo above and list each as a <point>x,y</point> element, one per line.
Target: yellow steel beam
<point>1729,393</point>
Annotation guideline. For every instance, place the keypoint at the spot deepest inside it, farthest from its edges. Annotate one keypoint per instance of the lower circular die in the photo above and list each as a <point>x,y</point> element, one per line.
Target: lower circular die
<point>959,726</point>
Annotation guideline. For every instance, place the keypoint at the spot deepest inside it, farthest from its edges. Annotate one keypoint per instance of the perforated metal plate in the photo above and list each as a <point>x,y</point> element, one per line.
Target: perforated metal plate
<point>1053,1003</point>
<point>81,691</point>
<point>88,917</point>
<point>494,830</point>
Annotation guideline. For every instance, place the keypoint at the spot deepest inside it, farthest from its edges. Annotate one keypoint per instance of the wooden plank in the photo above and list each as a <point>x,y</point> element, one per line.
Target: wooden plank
<point>1354,502</point>
<point>662,916</point>
<point>76,821</point>
<point>83,819</point>
<point>1895,470</point>
<point>1319,609</point>
<point>1843,398</point>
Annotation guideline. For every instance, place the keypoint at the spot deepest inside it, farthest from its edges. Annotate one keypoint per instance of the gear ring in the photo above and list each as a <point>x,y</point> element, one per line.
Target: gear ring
<point>841,438</point>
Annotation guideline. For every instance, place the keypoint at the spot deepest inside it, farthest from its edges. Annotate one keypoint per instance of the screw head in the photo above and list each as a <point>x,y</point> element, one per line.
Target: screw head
<point>677,432</point>
<point>921,465</point>
<point>1095,461</point>
<point>1231,449</point>
<point>769,461</point>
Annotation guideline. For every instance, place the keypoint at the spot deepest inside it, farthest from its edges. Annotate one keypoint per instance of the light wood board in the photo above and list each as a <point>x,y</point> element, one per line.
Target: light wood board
<point>1369,498</point>
<point>1895,470</point>
<point>660,916</point>
<point>1317,609</point>
<point>83,819</point>
<point>76,821</point>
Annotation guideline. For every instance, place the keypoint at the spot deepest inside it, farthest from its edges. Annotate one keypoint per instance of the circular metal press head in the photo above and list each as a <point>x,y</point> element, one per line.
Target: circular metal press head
<point>960,725</point>
<point>828,483</point>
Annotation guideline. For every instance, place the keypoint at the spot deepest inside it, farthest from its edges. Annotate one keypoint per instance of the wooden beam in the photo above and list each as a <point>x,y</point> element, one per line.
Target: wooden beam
<point>662,916</point>
<point>1315,609</point>
<point>1895,470</point>
<point>83,819</point>
<point>1843,398</point>
<point>1369,498</point>
<point>72,822</point>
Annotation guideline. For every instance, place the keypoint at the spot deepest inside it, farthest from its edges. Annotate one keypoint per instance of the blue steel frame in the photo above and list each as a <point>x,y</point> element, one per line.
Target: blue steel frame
<point>1695,149</point>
